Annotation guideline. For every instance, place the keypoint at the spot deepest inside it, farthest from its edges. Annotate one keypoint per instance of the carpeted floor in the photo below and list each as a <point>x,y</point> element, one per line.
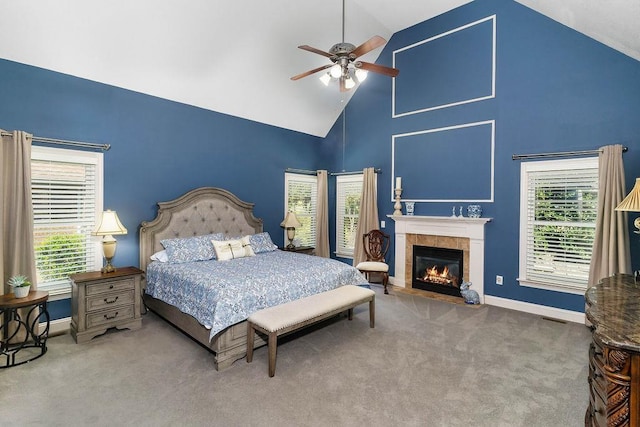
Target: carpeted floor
<point>426,363</point>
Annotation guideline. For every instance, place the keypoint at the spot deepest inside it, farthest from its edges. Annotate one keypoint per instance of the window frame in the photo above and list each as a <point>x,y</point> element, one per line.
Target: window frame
<point>527,169</point>
<point>312,181</point>
<point>342,250</point>
<point>63,155</point>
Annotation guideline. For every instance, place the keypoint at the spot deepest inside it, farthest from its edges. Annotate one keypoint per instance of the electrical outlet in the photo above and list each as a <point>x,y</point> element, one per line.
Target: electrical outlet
<point>499,280</point>
<point>383,224</point>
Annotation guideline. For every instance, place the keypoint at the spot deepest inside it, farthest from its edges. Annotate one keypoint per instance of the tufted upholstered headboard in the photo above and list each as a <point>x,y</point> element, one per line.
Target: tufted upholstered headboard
<point>201,211</point>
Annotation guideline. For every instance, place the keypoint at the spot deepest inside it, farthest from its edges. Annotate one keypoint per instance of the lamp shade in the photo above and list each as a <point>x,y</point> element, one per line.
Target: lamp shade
<point>631,203</point>
<point>109,224</point>
<point>290,221</point>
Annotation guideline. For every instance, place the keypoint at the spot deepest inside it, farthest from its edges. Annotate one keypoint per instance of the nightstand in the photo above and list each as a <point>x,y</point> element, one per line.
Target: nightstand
<point>309,250</point>
<point>100,301</point>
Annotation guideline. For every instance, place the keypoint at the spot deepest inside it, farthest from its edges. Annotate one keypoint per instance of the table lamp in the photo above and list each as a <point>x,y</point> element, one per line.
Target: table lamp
<point>108,226</point>
<point>290,223</point>
<point>631,203</point>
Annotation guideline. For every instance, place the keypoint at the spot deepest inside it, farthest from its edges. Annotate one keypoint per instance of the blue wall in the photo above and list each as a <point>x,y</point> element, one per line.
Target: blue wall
<point>556,90</point>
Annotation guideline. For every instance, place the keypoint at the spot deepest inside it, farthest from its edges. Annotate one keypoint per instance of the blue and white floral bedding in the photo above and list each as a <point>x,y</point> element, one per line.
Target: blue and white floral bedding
<point>222,293</point>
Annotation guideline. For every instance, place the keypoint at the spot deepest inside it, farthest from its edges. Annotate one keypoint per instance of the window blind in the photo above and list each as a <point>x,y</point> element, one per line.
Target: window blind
<point>348,195</point>
<point>64,197</point>
<point>301,198</point>
<point>561,211</point>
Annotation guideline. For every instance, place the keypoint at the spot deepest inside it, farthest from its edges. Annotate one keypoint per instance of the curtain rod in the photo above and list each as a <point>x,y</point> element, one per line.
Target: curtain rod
<point>104,147</point>
<point>308,172</point>
<point>560,154</point>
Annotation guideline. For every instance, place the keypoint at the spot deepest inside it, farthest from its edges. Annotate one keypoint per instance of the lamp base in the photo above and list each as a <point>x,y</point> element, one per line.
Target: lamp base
<point>109,268</point>
<point>290,245</point>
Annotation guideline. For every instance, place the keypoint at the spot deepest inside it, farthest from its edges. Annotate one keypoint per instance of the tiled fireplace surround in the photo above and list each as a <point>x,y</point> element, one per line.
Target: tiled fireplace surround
<point>443,232</point>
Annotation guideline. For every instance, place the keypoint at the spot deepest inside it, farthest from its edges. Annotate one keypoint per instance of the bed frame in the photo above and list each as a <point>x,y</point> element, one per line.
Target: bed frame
<point>201,211</point>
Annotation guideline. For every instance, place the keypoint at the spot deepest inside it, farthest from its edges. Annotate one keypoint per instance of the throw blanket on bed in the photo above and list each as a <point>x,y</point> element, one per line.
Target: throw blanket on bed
<point>222,293</point>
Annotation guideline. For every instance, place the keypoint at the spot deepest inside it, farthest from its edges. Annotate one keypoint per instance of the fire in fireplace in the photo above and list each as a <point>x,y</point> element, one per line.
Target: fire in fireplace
<point>437,269</point>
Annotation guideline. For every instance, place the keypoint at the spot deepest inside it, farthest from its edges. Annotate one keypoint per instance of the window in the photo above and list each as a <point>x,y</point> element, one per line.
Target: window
<point>66,187</point>
<point>348,194</point>
<point>301,192</point>
<point>558,206</point>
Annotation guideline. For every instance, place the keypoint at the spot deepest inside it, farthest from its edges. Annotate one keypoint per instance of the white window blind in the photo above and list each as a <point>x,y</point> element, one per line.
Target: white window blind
<point>301,192</point>
<point>348,194</point>
<point>559,201</point>
<point>66,187</point>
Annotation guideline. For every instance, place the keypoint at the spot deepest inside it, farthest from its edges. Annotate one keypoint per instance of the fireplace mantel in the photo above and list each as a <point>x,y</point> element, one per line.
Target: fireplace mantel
<point>471,228</point>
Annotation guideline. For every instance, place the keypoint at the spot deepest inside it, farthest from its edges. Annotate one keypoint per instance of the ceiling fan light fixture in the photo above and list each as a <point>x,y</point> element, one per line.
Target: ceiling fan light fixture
<point>336,71</point>
<point>349,83</point>
<point>325,79</point>
<point>361,74</point>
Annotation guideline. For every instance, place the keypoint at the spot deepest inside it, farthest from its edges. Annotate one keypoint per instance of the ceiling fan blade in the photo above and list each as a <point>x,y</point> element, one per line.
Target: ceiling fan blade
<point>369,45</point>
<point>381,69</point>
<point>314,50</point>
<point>308,73</point>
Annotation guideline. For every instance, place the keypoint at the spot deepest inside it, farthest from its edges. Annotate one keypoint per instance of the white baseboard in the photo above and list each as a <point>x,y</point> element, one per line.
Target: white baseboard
<point>541,310</point>
<point>58,326</point>
<point>527,307</point>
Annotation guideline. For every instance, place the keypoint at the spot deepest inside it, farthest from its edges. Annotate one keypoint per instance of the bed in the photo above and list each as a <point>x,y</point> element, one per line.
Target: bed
<point>209,300</point>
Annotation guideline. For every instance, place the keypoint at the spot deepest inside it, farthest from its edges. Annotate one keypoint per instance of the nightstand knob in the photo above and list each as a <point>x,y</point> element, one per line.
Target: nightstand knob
<point>112,301</point>
<point>111,317</point>
<point>110,286</point>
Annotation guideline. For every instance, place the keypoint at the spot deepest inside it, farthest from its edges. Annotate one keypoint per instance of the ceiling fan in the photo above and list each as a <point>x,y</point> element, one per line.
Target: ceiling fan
<point>344,65</point>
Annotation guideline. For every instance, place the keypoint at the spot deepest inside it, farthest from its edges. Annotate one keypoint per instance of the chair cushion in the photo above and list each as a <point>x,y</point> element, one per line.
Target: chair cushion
<point>373,266</point>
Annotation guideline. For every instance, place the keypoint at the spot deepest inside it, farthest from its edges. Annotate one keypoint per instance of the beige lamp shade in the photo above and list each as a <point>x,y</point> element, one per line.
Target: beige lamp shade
<point>290,221</point>
<point>109,224</point>
<point>631,203</point>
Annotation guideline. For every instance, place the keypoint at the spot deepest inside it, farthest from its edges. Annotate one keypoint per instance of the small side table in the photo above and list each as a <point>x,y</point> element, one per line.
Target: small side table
<point>100,301</point>
<point>309,250</point>
<point>14,327</point>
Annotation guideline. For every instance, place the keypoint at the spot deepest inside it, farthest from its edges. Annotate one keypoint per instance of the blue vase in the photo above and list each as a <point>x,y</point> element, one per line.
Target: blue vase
<point>474,211</point>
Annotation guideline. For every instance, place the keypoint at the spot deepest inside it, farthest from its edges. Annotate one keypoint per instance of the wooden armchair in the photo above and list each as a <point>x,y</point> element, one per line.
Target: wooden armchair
<point>376,245</point>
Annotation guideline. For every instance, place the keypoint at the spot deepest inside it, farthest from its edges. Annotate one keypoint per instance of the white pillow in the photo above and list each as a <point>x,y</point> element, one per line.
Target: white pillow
<point>232,249</point>
<point>160,256</point>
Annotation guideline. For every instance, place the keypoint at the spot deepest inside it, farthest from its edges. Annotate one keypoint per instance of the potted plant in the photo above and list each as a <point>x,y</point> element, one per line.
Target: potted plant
<point>20,285</point>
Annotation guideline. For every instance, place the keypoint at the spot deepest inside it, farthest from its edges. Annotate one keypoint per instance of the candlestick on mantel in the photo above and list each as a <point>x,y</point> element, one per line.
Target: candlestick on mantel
<point>398,182</point>
<point>397,206</point>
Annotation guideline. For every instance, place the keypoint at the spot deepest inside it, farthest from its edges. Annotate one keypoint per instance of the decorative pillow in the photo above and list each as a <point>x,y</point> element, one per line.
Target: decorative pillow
<point>160,256</point>
<point>232,249</point>
<point>262,242</point>
<point>198,248</point>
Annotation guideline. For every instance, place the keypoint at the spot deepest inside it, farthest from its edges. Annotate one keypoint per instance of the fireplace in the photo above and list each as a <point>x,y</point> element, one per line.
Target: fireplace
<point>465,234</point>
<point>437,269</point>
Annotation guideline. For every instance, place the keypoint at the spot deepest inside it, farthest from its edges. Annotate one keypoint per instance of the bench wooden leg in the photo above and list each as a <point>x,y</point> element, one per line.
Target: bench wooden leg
<point>350,313</point>
<point>250,337</point>
<point>372,313</point>
<point>273,345</point>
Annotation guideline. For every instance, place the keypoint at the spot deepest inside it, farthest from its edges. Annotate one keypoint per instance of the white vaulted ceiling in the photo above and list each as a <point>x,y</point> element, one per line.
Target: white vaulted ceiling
<point>236,57</point>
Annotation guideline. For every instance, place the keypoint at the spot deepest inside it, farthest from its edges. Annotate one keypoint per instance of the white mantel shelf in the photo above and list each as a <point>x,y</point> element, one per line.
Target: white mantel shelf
<point>471,228</point>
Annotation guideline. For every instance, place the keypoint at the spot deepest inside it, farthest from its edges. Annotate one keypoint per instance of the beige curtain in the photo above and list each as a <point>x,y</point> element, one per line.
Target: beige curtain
<point>611,244</point>
<point>322,216</point>
<point>368,219</point>
<point>16,212</point>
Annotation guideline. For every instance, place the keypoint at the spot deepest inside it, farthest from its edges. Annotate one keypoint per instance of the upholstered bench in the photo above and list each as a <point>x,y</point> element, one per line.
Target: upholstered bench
<point>295,315</point>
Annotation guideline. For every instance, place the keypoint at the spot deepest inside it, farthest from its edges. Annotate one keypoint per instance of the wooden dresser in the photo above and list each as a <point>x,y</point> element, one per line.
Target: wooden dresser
<point>613,308</point>
<point>100,301</point>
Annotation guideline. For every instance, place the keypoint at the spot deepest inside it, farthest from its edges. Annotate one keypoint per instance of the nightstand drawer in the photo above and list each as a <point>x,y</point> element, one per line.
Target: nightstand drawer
<point>109,286</point>
<point>113,299</point>
<point>109,316</point>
